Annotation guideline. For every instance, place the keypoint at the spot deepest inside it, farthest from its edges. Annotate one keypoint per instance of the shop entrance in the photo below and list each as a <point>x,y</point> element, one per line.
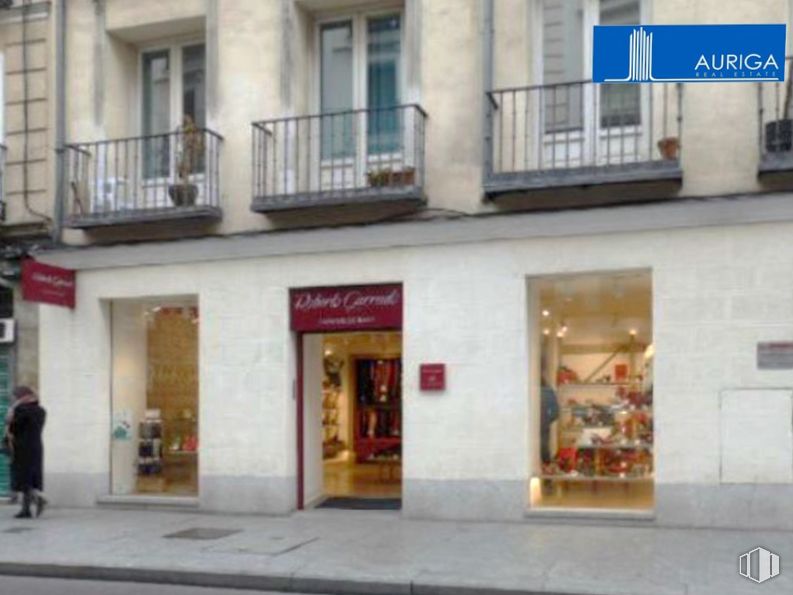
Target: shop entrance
<point>349,406</point>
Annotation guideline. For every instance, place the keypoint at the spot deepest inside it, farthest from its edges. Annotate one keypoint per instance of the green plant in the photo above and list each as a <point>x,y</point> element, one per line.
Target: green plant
<point>381,178</point>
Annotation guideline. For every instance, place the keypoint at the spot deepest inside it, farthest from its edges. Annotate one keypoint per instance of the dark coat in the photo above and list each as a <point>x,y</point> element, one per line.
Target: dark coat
<point>27,462</point>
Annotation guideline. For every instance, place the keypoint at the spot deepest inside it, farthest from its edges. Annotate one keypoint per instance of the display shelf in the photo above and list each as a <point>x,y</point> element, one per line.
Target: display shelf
<point>378,406</point>
<point>616,407</point>
<point>598,478</point>
<point>366,448</point>
<point>640,446</point>
<point>578,385</point>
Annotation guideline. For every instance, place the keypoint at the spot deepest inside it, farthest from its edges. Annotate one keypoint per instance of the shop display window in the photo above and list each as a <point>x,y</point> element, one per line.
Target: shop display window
<point>594,392</point>
<point>155,434</point>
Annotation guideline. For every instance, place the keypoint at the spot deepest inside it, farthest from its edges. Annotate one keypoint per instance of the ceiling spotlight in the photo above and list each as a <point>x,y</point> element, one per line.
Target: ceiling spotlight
<point>632,332</point>
<point>546,332</point>
<point>546,313</point>
<point>559,334</point>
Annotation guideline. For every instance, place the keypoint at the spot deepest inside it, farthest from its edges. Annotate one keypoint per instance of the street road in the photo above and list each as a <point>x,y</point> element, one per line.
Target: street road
<point>46,586</point>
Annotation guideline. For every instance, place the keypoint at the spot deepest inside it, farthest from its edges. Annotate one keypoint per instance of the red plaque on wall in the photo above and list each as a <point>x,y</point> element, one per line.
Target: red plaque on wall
<point>351,308</point>
<point>47,284</point>
<point>432,377</point>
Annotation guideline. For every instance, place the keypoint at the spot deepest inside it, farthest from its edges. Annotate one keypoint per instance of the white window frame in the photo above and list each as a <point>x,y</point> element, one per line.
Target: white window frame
<point>592,116</point>
<point>359,18</point>
<point>175,49</point>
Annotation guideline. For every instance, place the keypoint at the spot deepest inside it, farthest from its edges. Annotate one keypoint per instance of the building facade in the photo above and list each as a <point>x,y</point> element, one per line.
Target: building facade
<point>403,254</point>
<point>27,180</point>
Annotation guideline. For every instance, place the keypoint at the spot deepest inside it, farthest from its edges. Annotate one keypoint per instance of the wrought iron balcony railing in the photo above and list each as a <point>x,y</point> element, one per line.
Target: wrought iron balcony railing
<point>775,123</point>
<point>581,133</point>
<point>143,179</point>
<point>352,157</point>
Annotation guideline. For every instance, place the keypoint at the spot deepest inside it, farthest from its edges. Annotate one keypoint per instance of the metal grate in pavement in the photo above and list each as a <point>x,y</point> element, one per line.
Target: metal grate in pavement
<point>202,534</point>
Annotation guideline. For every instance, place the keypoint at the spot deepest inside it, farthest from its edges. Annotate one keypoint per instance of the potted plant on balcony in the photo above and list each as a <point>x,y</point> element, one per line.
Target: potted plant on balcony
<point>191,141</point>
<point>389,178</point>
<point>669,147</point>
<point>779,133</point>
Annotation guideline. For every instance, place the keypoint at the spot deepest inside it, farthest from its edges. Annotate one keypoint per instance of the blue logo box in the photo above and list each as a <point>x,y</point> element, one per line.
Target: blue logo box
<point>688,53</point>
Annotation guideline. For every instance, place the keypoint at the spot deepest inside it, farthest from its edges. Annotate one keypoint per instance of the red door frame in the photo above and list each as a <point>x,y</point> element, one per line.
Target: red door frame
<point>301,465</point>
<point>300,425</point>
<point>300,406</point>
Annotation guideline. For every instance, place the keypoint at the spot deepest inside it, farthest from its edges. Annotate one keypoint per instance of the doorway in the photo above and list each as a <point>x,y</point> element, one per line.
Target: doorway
<point>352,396</point>
<point>349,395</point>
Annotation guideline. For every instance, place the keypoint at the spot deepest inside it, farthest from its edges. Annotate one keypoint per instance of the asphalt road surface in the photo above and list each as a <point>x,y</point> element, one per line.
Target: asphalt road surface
<point>10,585</point>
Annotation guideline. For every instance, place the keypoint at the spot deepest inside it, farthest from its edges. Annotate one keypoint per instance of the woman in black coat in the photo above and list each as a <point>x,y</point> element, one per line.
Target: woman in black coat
<point>25,424</point>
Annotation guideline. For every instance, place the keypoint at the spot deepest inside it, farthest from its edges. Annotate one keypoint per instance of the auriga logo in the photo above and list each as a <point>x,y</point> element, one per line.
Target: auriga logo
<point>640,58</point>
<point>683,53</point>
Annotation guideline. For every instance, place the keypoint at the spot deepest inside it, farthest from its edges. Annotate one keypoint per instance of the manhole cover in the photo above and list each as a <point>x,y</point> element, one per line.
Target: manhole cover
<point>18,530</point>
<point>202,534</point>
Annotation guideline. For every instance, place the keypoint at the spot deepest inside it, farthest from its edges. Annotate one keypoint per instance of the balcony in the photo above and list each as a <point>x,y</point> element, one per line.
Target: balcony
<point>355,157</point>
<point>144,179</point>
<point>581,134</point>
<point>3,151</point>
<point>775,132</point>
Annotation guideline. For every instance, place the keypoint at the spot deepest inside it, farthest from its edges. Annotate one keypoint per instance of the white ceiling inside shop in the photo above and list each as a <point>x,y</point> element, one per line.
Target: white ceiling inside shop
<point>598,308</point>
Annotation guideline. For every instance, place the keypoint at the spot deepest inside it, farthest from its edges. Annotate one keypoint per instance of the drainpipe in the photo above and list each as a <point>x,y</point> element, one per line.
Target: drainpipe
<point>487,84</point>
<point>60,118</point>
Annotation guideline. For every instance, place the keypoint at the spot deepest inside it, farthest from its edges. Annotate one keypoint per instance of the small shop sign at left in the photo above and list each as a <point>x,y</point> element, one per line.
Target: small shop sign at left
<point>47,284</point>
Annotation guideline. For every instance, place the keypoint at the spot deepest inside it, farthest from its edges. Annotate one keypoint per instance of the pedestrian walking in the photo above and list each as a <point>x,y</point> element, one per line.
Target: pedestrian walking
<point>25,422</point>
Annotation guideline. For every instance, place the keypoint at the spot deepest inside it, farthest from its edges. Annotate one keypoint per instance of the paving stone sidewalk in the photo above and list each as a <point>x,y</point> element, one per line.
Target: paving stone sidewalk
<point>326,551</point>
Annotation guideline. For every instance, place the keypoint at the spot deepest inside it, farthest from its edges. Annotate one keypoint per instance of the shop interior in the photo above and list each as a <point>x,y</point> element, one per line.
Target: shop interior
<point>353,419</point>
<point>155,397</point>
<point>594,395</point>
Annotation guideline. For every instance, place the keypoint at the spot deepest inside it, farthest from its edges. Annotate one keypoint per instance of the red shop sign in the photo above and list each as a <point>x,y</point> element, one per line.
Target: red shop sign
<point>353,308</point>
<point>47,284</point>
<point>432,376</point>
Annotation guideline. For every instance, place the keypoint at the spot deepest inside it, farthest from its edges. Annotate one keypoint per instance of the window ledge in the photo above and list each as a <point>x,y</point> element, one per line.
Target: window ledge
<point>149,501</point>
<point>338,198</point>
<point>560,514</point>
<point>648,171</point>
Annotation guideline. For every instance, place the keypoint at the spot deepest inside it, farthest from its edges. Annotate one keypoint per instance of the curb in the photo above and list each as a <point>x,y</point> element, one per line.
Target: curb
<point>249,582</point>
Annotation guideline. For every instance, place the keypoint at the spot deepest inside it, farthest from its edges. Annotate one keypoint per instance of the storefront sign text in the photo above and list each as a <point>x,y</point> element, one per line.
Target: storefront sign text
<point>363,307</point>
<point>47,284</point>
<point>775,355</point>
<point>432,377</point>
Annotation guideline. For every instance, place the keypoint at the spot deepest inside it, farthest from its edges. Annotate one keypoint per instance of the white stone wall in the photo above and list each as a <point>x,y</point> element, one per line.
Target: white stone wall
<point>717,292</point>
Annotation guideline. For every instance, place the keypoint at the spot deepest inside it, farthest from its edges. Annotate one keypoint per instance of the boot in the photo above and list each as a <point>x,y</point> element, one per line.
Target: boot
<point>41,504</point>
<point>27,499</point>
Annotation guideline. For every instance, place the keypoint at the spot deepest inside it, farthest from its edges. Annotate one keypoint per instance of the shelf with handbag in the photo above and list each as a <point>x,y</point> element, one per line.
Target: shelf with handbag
<point>378,408</point>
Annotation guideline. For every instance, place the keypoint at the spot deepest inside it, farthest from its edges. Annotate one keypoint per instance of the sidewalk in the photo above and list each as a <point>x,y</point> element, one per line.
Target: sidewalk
<point>328,551</point>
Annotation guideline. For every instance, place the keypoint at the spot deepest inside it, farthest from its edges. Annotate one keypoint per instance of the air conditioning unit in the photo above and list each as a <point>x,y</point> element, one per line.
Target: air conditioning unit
<point>7,330</point>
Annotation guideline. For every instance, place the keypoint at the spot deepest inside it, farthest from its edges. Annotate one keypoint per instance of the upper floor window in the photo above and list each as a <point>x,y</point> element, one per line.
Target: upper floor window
<point>360,68</point>
<point>173,87</point>
<point>566,59</point>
